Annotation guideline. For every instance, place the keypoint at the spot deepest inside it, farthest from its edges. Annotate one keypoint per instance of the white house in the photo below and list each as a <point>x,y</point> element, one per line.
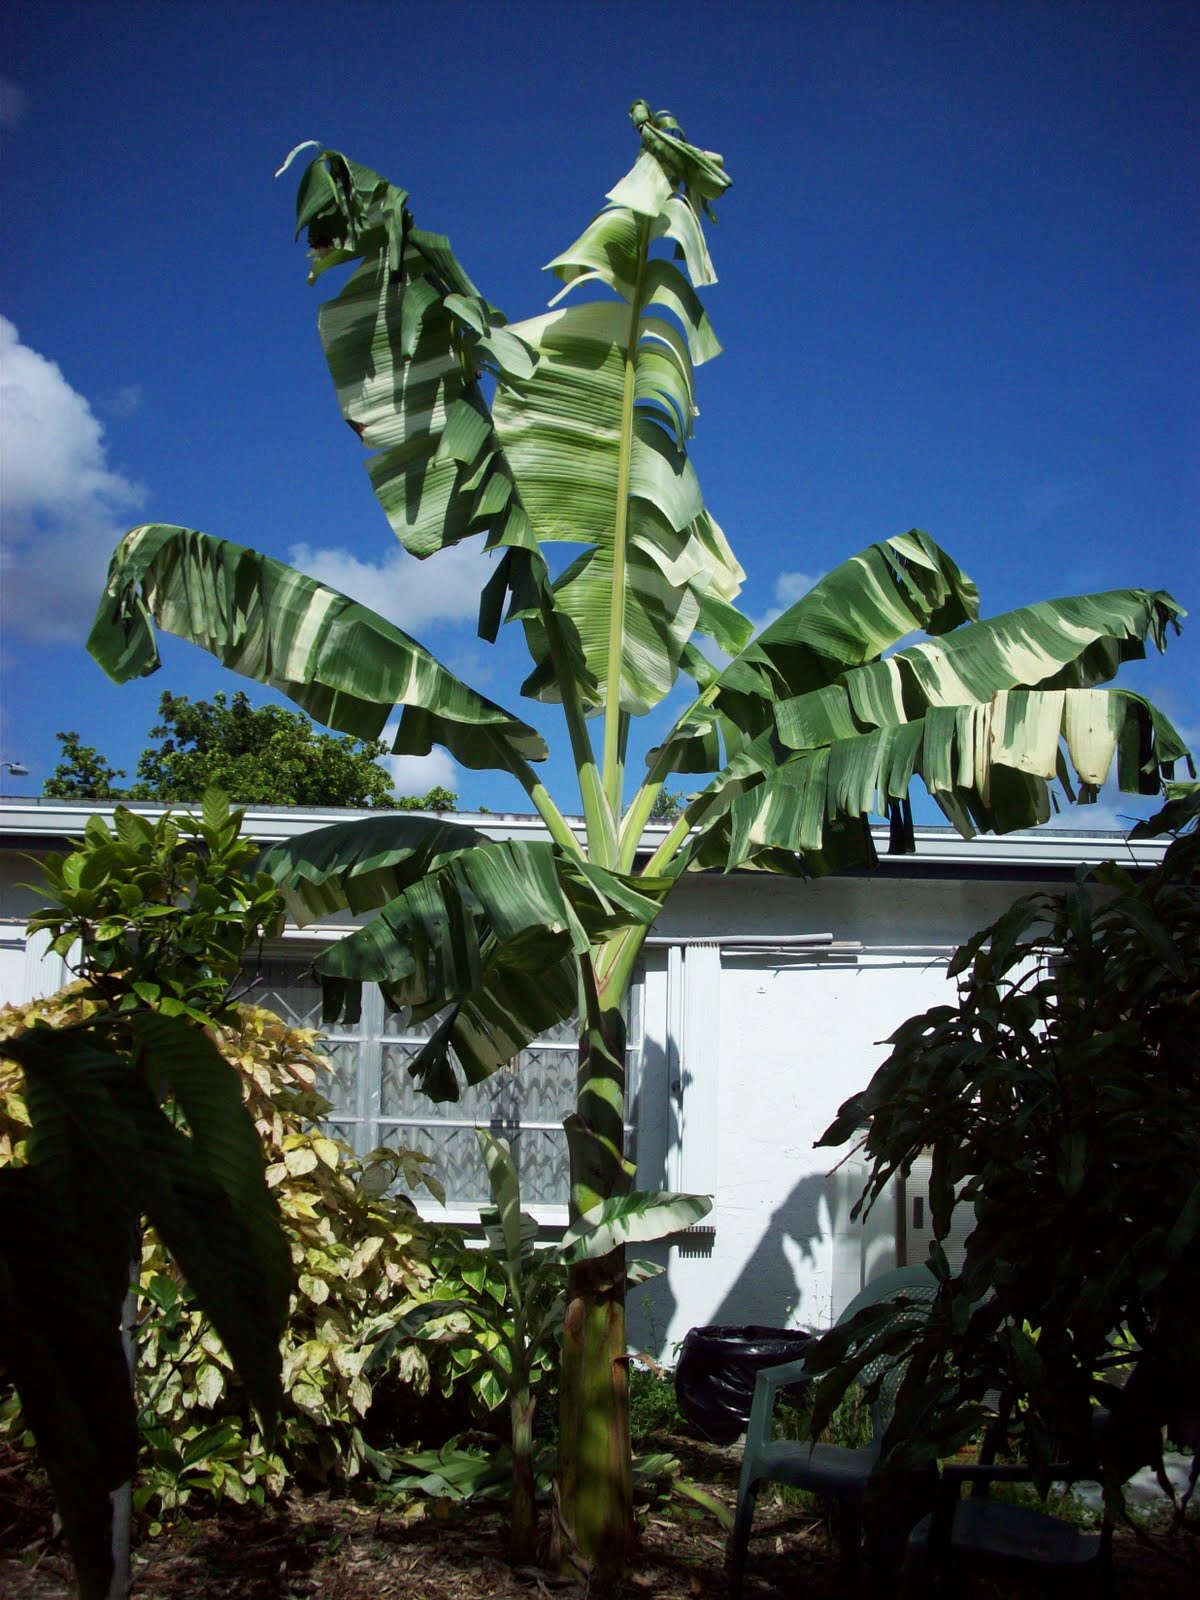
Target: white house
<point>760,1006</point>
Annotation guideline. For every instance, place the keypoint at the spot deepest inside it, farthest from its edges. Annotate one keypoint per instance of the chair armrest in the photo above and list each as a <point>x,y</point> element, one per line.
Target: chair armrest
<point>958,1473</point>
<point>771,1379</point>
<point>766,1387</point>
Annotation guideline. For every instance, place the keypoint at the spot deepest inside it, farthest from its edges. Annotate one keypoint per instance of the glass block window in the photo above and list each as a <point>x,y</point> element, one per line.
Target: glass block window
<point>376,1101</point>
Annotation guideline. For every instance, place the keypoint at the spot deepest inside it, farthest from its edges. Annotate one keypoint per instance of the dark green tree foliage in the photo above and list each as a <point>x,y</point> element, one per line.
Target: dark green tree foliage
<point>1060,1097</point>
<point>134,1114</point>
<point>261,755</point>
<point>83,773</point>
<point>667,806</point>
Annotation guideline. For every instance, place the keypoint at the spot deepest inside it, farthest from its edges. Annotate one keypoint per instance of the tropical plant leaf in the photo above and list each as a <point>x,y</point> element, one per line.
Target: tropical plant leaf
<point>505,1186</point>
<point>341,662</point>
<point>602,464</point>
<point>631,1219</point>
<point>362,865</point>
<point>851,747</point>
<point>489,929</point>
<point>60,1343</point>
<point>846,620</point>
<point>406,341</point>
<point>207,1090</point>
<point>88,1095</point>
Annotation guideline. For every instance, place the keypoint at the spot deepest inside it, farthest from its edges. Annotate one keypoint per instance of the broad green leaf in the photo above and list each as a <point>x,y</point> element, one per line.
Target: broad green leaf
<point>571,442</point>
<point>344,664</point>
<point>208,1092</point>
<point>60,1345</point>
<point>843,750</point>
<point>489,929</point>
<point>631,1219</point>
<point>505,1189</point>
<point>846,621</point>
<point>360,866</point>
<point>91,1101</point>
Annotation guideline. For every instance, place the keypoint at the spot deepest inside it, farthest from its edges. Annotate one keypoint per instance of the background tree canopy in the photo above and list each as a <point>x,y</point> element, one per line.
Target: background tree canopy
<point>260,755</point>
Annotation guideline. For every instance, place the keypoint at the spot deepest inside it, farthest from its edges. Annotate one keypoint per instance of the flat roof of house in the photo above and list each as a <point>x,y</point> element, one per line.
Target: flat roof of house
<point>1042,852</point>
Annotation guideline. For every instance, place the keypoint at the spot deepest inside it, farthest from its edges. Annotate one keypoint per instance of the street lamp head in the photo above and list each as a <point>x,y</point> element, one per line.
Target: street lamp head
<point>17,768</point>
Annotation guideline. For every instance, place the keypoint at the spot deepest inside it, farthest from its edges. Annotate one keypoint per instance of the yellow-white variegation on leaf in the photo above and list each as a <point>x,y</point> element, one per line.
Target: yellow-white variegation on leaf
<point>340,661</point>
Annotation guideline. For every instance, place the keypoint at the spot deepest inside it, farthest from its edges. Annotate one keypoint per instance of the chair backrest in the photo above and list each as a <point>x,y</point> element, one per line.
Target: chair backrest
<point>919,1283</point>
<point>916,1288</point>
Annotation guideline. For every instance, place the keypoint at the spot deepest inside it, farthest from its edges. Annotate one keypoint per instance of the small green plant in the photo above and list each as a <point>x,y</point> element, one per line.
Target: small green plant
<point>652,1407</point>
<point>160,912</point>
<point>507,1324</point>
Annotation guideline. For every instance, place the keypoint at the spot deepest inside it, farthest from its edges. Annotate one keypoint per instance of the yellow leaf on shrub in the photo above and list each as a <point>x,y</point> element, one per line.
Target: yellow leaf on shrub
<point>326,1149</point>
<point>276,1173</point>
<point>360,1396</point>
<point>309,1399</point>
<point>210,1384</point>
<point>300,1161</point>
<point>364,1254</point>
<point>316,1289</point>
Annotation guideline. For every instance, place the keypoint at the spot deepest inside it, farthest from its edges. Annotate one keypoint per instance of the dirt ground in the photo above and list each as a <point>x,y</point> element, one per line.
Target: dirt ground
<point>341,1549</point>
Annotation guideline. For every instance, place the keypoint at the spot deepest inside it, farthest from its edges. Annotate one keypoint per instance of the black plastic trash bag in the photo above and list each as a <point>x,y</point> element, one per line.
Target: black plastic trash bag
<point>714,1380</point>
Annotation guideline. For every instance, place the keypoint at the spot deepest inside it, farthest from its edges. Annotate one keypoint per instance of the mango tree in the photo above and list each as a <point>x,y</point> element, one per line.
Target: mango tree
<point>572,428</point>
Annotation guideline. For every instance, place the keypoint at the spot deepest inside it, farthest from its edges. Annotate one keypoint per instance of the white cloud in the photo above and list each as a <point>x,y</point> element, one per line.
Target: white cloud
<point>124,403</point>
<point>64,507</point>
<point>789,587</point>
<point>1113,811</point>
<point>418,774</point>
<point>408,592</point>
<point>13,102</point>
<point>793,586</point>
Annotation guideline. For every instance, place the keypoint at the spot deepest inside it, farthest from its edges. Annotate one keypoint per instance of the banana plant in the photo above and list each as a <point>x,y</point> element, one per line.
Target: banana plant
<point>509,1326</point>
<point>572,428</point>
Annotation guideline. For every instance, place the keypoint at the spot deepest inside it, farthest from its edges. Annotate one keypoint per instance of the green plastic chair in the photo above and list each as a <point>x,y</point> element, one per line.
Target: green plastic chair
<point>831,1471</point>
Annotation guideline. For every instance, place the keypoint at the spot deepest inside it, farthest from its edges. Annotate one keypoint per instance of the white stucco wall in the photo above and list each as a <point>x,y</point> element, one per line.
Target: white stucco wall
<point>798,1033</point>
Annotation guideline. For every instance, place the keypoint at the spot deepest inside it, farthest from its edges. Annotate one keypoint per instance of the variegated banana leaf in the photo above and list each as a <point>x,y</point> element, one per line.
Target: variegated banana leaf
<point>592,410</point>
<point>596,439</point>
<point>345,665</point>
<point>987,716</point>
<point>847,619</point>
<point>633,1218</point>
<point>488,933</point>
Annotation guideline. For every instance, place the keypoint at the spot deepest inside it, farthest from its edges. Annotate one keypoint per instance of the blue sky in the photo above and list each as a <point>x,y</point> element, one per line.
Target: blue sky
<point>958,290</point>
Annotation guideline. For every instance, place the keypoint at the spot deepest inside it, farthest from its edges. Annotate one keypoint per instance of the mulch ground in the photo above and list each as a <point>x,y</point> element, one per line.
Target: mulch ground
<point>341,1549</point>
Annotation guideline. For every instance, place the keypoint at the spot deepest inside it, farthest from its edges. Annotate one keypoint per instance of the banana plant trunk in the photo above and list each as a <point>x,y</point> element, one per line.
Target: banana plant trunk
<point>523,1535</point>
<point>595,1484</point>
<point>595,1473</point>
